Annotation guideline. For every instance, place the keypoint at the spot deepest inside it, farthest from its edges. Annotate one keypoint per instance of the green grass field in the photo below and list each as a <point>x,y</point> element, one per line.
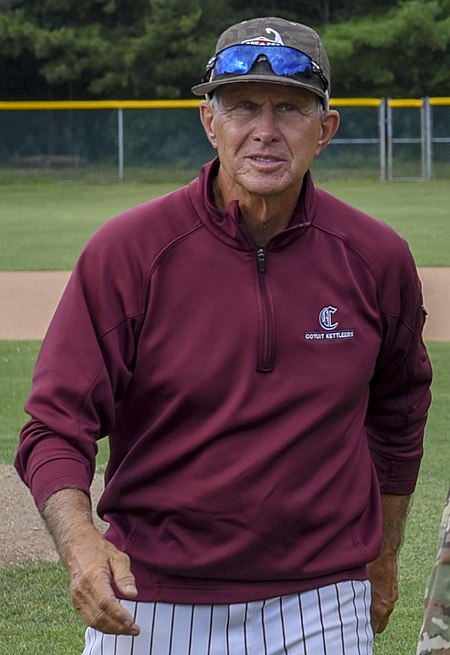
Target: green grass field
<point>43,227</point>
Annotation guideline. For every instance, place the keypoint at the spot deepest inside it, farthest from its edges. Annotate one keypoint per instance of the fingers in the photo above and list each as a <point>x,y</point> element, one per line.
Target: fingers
<point>383,624</point>
<point>112,617</point>
<point>381,610</point>
<point>93,596</point>
<point>380,621</point>
<point>384,589</point>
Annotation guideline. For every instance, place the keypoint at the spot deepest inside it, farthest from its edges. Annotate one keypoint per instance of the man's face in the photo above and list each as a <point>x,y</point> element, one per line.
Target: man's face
<point>266,136</point>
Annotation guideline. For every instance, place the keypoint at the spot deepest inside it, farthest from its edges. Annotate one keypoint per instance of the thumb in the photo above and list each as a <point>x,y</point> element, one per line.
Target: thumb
<point>122,575</point>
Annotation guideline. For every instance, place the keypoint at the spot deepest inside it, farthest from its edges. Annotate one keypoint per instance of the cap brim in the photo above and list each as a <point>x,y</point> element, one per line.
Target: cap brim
<point>208,87</point>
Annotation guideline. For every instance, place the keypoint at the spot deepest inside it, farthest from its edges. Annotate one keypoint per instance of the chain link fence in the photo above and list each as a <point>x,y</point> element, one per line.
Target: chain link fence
<point>103,141</point>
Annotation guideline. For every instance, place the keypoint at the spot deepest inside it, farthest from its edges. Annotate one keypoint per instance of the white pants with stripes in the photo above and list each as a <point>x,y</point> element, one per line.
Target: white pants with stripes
<point>332,620</point>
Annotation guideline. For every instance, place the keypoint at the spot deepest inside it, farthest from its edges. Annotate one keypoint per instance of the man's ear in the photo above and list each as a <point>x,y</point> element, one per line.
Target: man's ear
<point>207,120</point>
<point>330,125</point>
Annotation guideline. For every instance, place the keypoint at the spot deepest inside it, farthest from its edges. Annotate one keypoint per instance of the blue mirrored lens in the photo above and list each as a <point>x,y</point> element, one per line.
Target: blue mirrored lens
<point>283,60</point>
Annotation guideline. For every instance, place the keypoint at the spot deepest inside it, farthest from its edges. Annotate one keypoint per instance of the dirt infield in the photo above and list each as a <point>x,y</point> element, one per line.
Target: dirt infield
<point>27,302</point>
<point>23,533</point>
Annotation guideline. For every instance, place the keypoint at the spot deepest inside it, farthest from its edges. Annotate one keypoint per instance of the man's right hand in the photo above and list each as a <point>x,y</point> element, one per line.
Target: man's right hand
<point>92,562</point>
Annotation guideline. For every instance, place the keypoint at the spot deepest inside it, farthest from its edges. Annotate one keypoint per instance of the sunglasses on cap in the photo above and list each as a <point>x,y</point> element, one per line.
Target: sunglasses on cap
<point>283,60</point>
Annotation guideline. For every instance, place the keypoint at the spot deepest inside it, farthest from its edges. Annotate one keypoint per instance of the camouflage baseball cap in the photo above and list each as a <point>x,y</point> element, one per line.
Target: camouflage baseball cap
<point>272,31</point>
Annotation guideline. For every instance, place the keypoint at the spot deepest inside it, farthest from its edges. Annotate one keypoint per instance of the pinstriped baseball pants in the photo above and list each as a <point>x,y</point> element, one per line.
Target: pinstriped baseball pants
<point>332,620</point>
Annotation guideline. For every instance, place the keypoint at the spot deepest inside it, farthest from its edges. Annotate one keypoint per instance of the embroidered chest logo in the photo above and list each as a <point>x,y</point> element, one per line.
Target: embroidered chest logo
<point>329,325</point>
<point>326,318</point>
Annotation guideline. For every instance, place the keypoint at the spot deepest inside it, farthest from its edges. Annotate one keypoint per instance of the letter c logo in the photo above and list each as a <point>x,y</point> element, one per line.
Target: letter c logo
<point>326,318</point>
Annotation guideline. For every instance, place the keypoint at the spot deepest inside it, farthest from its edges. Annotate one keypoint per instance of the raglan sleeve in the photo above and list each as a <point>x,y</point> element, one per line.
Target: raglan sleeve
<point>400,387</point>
<point>83,369</point>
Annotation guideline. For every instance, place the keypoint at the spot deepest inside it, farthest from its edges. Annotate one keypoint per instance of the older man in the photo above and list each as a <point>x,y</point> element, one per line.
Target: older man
<point>252,347</point>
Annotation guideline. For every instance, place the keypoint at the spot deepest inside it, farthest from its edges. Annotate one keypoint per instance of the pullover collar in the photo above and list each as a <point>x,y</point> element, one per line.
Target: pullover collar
<point>229,226</point>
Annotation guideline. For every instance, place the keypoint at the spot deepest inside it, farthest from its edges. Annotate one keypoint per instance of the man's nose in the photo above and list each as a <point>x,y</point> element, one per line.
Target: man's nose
<point>266,126</point>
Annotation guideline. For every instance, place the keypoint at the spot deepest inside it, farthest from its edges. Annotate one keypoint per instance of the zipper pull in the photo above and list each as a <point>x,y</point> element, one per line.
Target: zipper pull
<point>261,257</point>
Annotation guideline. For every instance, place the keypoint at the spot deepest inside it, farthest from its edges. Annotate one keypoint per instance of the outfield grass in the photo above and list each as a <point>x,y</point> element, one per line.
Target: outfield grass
<point>36,617</point>
<point>17,360</point>
<point>44,226</point>
<point>417,211</point>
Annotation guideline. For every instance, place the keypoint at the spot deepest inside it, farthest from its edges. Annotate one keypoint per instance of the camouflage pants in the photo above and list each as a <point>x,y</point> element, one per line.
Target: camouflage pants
<point>434,636</point>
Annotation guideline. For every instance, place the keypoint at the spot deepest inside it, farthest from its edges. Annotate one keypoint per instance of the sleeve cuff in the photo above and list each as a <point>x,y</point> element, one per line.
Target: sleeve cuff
<point>58,474</point>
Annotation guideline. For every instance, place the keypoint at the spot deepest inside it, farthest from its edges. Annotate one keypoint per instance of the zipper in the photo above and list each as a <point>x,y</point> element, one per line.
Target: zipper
<point>261,257</point>
<point>266,346</point>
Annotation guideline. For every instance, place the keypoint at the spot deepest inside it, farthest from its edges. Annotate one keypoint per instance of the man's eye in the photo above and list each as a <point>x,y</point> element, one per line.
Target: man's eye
<point>246,106</point>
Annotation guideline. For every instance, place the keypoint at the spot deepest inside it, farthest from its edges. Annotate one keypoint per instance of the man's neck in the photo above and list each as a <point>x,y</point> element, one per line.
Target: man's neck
<point>263,216</point>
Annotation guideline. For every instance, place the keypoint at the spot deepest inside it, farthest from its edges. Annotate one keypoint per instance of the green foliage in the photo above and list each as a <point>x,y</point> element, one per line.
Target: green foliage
<point>402,53</point>
<point>158,48</point>
<point>144,49</point>
<point>311,12</point>
<point>171,49</point>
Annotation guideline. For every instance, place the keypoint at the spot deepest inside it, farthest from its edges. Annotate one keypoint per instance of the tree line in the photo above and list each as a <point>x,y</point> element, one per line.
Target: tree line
<point>148,49</point>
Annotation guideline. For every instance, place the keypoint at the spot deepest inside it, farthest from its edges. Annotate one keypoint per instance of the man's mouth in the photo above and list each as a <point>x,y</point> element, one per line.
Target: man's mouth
<point>265,159</point>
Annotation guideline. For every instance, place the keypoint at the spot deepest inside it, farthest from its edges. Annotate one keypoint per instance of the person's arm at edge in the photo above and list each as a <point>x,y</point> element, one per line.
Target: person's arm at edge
<point>92,562</point>
<point>383,572</point>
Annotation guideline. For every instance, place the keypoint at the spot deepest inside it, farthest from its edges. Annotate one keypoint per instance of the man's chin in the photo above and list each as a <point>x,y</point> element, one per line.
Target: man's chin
<point>265,183</point>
